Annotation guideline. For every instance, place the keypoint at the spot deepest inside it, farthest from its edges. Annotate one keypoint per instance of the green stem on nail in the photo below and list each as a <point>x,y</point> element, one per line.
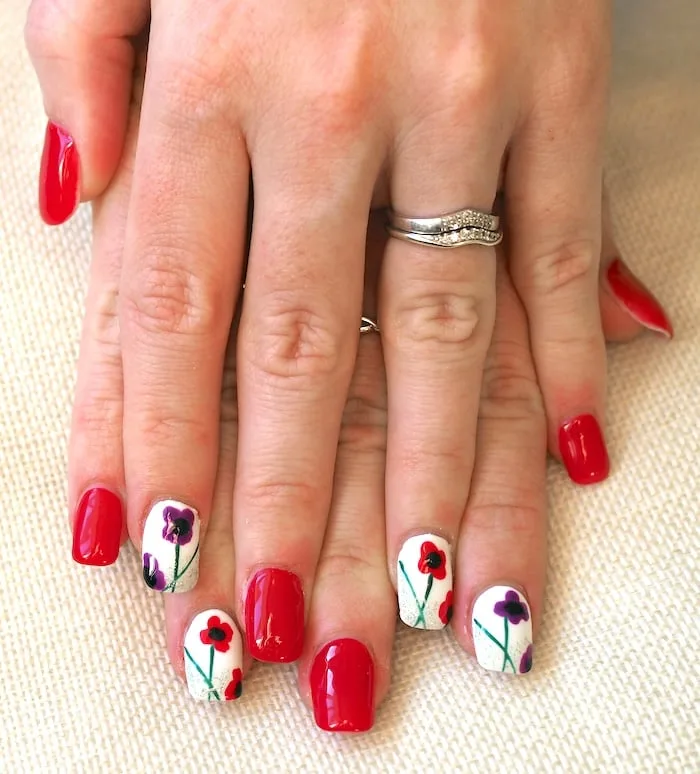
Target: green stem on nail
<point>507,658</point>
<point>208,682</point>
<point>421,607</point>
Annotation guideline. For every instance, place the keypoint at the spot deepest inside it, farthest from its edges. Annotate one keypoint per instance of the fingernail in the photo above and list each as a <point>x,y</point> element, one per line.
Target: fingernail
<point>342,686</point>
<point>213,657</point>
<point>636,299</point>
<point>583,451</point>
<point>58,177</point>
<point>274,616</point>
<point>97,528</point>
<point>502,630</point>
<point>424,582</point>
<point>171,547</point>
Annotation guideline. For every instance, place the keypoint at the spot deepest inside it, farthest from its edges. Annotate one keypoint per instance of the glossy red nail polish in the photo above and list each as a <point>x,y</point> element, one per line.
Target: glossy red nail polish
<point>59,176</point>
<point>97,528</point>
<point>274,616</point>
<point>342,686</point>
<point>636,299</point>
<point>583,450</point>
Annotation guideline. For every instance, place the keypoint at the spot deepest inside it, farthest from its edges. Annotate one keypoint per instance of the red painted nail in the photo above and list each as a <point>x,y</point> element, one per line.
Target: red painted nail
<point>636,299</point>
<point>97,529</point>
<point>59,176</point>
<point>342,687</point>
<point>274,616</point>
<point>583,450</point>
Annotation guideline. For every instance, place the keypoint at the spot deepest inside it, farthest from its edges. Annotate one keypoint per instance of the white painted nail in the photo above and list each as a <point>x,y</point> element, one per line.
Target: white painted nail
<point>502,630</point>
<point>424,582</point>
<point>213,657</point>
<point>171,547</point>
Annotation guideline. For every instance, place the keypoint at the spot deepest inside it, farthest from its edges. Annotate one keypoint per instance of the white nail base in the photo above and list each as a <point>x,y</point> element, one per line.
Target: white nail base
<point>170,550</point>
<point>502,630</point>
<point>424,582</point>
<point>213,657</point>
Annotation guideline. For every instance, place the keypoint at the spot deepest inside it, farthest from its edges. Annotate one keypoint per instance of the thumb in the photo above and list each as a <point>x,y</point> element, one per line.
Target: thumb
<point>83,57</point>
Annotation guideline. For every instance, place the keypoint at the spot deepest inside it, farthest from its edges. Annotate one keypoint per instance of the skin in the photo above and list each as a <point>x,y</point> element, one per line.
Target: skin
<point>333,109</point>
<point>502,537</point>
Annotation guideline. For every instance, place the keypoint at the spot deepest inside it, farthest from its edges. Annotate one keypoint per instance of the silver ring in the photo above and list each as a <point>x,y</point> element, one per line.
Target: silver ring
<point>453,221</point>
<point>450,239</point>
<point>367,325</point>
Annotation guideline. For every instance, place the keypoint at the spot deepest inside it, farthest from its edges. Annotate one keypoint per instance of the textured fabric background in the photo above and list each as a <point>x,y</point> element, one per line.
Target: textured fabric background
<point>85,685</point>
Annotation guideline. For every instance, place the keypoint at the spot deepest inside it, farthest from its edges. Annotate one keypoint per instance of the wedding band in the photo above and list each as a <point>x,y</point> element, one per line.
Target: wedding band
<point>454,221</point>
<point>367,325</point>
<point>450,239</point>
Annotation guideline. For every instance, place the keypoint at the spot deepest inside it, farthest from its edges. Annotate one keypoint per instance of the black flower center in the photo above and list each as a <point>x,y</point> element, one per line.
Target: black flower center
<point>149,578</point>
<point>181,527</point>
<point>238,690</point>
<point>514,608</point>
<point>217,634</point>
<point>433,560</point>
<point>449,614</point>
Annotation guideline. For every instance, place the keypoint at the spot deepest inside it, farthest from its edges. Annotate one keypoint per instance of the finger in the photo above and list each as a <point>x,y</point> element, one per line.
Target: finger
<point>296,348</point>
<point>180,280</point>
<point>501,556</point>
<point>204,642</point>
<point>345,669</point>
<point>96,459</point>
<point>436,316</point>
<point>626,305</point>
<point>553,190</point>
<point>84,59</point>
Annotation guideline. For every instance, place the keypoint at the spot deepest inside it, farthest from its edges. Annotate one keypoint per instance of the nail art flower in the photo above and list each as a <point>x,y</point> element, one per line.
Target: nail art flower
<point>178,525</point>
<point>235,688</point>
<point>526,661</point>
<point>432,560</point>
<point>218,634</point>
<point>445,611</point>
<point>512,608</point>
<point>152,575</point>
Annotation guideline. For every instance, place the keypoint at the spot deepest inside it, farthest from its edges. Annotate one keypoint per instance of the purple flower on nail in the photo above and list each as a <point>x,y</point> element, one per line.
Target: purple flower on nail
<point>178,525</point>
<point>512,608</point>
<point>152,575</point>
<point>526,661</point>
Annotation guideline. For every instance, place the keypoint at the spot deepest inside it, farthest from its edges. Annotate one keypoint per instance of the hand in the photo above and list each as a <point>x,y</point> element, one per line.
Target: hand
<point>501,540</point>
<point>317,101</point>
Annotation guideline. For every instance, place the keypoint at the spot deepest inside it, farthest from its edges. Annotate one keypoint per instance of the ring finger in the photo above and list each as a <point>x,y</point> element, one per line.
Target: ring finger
<point>436,317</point>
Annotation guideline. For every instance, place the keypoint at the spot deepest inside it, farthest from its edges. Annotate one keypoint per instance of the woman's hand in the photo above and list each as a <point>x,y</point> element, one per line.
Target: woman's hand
<point>320,102</point>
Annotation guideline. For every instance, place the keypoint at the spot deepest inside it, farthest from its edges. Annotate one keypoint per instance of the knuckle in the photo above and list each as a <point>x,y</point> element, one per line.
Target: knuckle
<point>96,409</point>
<point>566,268</point>
<point>267,494</point>
<point>514,518</point>
<point>167,297</point>
<point>294,342</point>
<point>364,426</point>
<point>163,427</point>
<point>445,318</point>
<point>351,566</point>
<point>229,395</point>
<point>509,387</point>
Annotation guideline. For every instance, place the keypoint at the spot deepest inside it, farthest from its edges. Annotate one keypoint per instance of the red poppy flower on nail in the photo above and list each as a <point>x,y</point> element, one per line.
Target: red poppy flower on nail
<point>445,610</point>
<point>218,633</point>
<point>235,688</point>
<point>432,561</point>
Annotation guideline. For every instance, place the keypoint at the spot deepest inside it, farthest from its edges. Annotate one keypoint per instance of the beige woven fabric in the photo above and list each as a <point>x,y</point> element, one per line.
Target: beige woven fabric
<point>85,685</point>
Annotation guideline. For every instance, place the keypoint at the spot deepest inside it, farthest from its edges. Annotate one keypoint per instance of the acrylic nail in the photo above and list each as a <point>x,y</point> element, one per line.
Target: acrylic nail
<point>171,547</point>
<point>502,630</point>
<point>59,176</point>
<point>636,299</point>
<point>97,528</point>
<point>583,451</point>
<point>213,657</point>
<point>274,616</point>
<point>342,686</point>
<point>424,582</point>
